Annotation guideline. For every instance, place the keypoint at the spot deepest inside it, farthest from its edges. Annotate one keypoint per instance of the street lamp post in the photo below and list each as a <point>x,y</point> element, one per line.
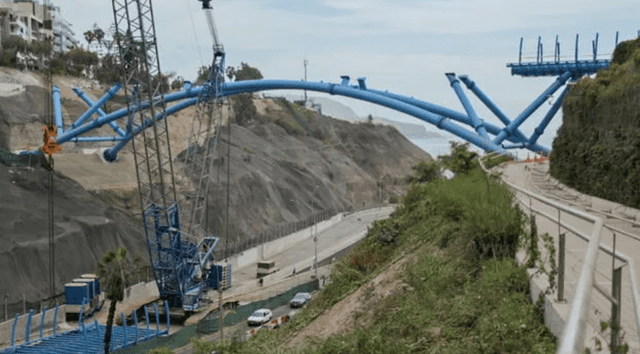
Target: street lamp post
<point>315,241</point>
<point>6,297</point>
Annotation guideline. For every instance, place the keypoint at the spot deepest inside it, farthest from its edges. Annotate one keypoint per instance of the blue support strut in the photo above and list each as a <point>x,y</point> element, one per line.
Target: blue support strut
<point>547,119</point>
<point>100,112</point>
<point>476,122</point>
<point>532,107</point>
<point>107,96</point>
<point>471,85</point>
<point>449,113</point>
<point>57,108</point>
<point>435,115</point>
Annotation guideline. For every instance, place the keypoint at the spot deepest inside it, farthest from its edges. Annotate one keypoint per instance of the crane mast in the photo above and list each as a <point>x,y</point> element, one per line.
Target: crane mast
<point>207,121</point>
<point>180,266</point>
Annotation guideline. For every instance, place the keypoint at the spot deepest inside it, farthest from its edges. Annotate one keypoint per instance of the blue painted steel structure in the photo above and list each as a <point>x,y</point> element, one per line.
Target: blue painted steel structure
<point>182,267</point>
<point>507,137</point>
<point>87,338</point>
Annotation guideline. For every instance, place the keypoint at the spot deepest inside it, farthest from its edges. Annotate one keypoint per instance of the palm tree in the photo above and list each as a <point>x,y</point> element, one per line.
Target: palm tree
<point>113,270</point>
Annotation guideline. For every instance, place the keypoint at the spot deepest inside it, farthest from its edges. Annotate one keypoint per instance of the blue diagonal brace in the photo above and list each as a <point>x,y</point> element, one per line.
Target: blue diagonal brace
<point>100,112</point>
<point>471,85</point>
<point>476,122</point>
<point>532,107</point>
<point>57,108</point>
<point>107,96</point>
<point>547,119</point>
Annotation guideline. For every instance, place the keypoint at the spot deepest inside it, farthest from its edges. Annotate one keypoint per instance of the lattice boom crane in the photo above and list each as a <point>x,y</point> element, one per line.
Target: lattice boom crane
<point>182,266</point>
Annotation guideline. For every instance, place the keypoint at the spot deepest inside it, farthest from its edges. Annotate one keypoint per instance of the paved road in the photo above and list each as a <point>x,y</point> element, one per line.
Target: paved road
<point>332,243</point>
<point>535,178</point>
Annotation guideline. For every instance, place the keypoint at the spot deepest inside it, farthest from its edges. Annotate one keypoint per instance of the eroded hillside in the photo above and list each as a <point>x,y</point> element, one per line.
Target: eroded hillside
<point>285,165</point>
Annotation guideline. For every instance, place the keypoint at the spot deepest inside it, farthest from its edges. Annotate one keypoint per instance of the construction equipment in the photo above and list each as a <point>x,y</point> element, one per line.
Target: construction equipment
<point>182,263</point>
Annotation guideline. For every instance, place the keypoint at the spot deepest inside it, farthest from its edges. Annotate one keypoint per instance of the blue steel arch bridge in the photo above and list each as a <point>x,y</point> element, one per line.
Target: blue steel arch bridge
<point>467,125</point>
<point>182,267</point>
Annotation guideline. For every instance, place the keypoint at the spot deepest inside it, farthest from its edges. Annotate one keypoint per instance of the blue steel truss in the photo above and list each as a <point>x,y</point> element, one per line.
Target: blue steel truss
<point>483,134</point>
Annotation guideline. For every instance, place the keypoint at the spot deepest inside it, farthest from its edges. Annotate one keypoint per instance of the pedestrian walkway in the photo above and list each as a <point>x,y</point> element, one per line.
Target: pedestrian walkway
<point>618,219</point>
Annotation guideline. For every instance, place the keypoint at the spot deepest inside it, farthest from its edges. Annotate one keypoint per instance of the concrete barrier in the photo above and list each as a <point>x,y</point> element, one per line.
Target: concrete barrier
<point>270,249</point>
<point>280,245</point>
<point>141,291</point>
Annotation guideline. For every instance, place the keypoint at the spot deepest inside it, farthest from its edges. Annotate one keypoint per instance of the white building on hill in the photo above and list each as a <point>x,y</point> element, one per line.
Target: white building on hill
<point>30,20</point>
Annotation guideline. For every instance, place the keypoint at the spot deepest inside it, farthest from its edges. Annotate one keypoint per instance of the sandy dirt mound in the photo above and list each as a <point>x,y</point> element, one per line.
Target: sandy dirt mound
<point>340,318</point>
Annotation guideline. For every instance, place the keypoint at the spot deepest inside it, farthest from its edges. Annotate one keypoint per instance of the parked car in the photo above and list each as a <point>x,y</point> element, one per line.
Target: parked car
<point>300,299</point>
<point>259,317</point>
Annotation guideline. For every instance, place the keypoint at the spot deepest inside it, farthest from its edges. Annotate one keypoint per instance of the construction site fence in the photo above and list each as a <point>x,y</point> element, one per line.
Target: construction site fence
<point>210,323</point>
<point>36,321</point>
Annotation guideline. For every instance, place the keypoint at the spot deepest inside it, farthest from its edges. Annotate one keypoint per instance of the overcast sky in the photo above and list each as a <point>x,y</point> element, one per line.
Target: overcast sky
<point>404,46</point>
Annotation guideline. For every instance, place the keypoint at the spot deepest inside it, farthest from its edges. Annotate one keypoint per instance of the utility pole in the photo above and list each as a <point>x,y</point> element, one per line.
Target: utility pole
<point>306,62</point>
<point>6,312</point>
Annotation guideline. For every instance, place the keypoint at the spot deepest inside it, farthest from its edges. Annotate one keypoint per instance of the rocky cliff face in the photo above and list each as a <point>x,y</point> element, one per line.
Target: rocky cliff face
<point>287,164</point>
<point>597,149</point>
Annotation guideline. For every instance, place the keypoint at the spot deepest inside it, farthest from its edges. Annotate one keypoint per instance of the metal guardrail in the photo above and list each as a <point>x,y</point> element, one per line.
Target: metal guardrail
<point>572,340</point>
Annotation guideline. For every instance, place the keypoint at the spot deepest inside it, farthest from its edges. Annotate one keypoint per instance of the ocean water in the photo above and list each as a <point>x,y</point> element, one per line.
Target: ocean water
<point>435,147</point>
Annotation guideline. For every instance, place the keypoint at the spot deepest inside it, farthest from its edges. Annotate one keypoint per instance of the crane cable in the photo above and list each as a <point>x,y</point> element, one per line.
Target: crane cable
<point>195,33</point>
<point>47,140</point>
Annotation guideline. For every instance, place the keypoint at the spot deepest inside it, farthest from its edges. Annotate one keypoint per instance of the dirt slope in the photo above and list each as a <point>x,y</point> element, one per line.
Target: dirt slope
<point>278,174</point>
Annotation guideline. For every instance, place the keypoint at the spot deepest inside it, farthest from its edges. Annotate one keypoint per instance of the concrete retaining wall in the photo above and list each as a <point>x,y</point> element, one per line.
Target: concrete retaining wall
<point>5,327</point>
<point>270,249</point>
<point>141,291</point>
<point>555,313</point>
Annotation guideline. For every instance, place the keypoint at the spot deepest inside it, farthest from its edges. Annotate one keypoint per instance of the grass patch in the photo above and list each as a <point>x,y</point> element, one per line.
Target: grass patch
<point>461,292</point>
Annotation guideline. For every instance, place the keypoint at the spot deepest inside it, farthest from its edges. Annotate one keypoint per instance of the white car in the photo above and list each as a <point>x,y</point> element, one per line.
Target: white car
<point>259,317</point>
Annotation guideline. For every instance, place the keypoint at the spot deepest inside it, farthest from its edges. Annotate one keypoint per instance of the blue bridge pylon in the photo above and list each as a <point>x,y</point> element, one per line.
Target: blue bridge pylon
<point>483,134</point>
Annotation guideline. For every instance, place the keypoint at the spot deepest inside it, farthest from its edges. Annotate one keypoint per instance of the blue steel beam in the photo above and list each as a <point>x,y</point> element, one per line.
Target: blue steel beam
<point>476,122</point>
<point>344,90</point>
<point>338,89</point>
<point>449,113</point>
<point>547,119</point>
<point>100,112</point>
<point>393,101</point>
<point>57,108</point>
<point>471,85</point>
<point>112,154</point>
<point>532,107</point>
<point>576,68</point>
<point>107,96</point>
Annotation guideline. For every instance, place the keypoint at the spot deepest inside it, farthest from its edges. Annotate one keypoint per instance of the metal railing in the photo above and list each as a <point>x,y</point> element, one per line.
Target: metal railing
<point>572,340</point>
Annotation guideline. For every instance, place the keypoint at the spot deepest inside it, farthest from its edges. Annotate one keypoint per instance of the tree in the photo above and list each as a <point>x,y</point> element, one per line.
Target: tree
<point>89,36</point>
<point>461,160</point>
<point>177,83</point>
<point>424,172</point>
<point>113,269</point>
<point>243,72</point>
